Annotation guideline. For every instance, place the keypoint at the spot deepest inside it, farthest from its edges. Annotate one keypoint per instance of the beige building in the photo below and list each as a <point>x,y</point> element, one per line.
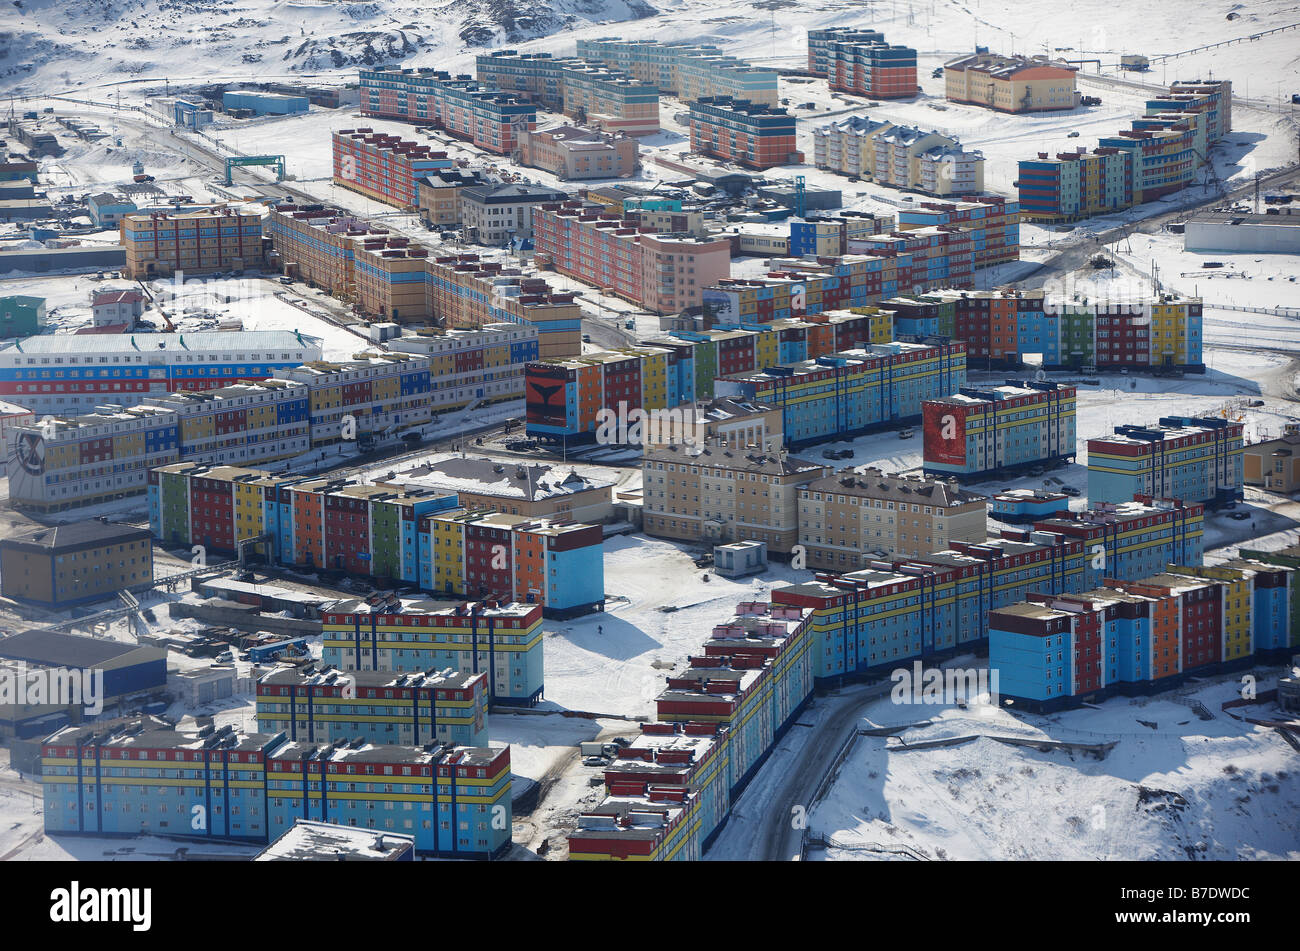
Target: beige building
<point>439,195</point>
<point>1274,464</point>
<point>1011,83</point>
<point>537,491</point>
<point>718,494</point>
<point>737,424</point>
<point>571,153</point>
<point>852,517</point>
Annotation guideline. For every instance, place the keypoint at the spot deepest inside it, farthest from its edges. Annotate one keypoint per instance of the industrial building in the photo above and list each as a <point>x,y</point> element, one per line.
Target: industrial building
<point>129,670</point>
<point>82,561</point>
<point>254,786</point>
<point>1197,458</point>
<point>1233,232</point>
<point>21,315</point>
<point>263,103</point>
<point>979,433</point>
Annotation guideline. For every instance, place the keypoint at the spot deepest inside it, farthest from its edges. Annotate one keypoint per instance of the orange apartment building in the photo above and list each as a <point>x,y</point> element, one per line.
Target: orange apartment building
<point>205,241</point>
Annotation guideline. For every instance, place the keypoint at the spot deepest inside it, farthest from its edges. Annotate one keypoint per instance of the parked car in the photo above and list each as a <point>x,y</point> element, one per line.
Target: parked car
<point>830,453</point>
<point>1071,491</point>
<point>1238,516</point>
<point>906,433</point>
<point>595,761</point>
<point>224,657</point>
<point>1073,135</point>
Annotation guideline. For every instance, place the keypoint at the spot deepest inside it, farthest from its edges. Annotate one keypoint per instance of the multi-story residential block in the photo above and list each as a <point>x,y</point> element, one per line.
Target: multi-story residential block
<point>819,44</point>
<point>374,393</point>
<point>1075,185</point>
<point>1195,458</point>
<point>851,518</point>
<point>571,153</point>
<point>1134,538</point>
<point>535,491</point>
<point>749,134</point>
<point>140,777</point>
<point>167,243</point>
<point>717,494</point>
<point>848,146</point>
<point>737,424</point>
<point>241,424</point>
<point>1273,464</point>
<point>500,642</point>
<point>978,432</point>
<point>664,273</point>
<point>484,116</point>
<point>438,194</point>
<point>990,221</point>
<point>1011,83</point>
<point>829,235</point>
<point>84,561</point>
<point>498,214</point>
<point>470,292</point>
<point>1142,636</point>
<point>685,70</point>
<point>564,398</point>
<point>894,613</point>
<point>383,167</point>
<point>390,532</point>
<point>854,391</point>
<point>473,366</point>
<point>907,157</point>
<point>62,373</point>
<point>390,278</point>
<point>1286,636</point>
<point>670,790</point>
<point>608,99</point>
<point>871,68</point>
<point>409,709</point>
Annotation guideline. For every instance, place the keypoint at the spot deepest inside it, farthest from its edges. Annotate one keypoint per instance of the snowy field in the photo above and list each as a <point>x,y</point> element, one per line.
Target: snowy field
<point>1217,789</point>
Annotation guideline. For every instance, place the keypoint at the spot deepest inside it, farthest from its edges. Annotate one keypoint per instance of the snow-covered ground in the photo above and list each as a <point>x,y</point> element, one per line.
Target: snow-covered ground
<point>1218,789</point>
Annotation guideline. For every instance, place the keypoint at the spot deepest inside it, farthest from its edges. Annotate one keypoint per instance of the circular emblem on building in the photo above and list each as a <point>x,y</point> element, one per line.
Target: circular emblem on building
<point>31,453</point>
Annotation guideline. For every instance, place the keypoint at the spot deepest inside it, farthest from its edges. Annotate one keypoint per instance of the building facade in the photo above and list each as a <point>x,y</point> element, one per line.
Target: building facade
<point>574,154</point>
<point>162,244</point>
<point>1011,83</point>
<point>84,561</point>
<point>978,432</point>
<point>383,167</point>
<point>1193,458</point>
<point>750,134</point>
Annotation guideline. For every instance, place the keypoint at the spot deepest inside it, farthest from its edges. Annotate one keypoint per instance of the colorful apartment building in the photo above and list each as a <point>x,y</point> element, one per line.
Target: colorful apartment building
<point>819,44</point>
<point>467,366</point>
<point>1056,651</point>
<point>853,391</point>
<point>499,642</point>
<point>483,116</point>
<point>376,392</point>
<point>387,274</point>
<point>851,518</point>
<point>686,70</point>
<point>205,241</point>
<point>1286,637</point>
<point>469,292</point>
<point>323,706</point>
<point>1011,83</point>
<point>564,398</point>
<point>750,134</point>
<point>67,373</point>
<point>141,777</point>
<point>394,533</point>
<point>871,68</point>
<point>574,154</point>
<point>607,99</point>
<point>980,433</point>
<point>1161,153</point>
<point>1195,458</point>
<point>717,494</point>
<point>893,613</point>
<point>829,235</point>
<point>670,791</point>
<point>662,272</point>
<point>383,167</point>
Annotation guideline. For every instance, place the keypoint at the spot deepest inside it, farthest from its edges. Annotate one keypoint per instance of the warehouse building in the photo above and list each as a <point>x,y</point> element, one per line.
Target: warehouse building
<point>83,561</point>
<point>263,103</point>
<point>128,670</point>
<point>1266,234</point>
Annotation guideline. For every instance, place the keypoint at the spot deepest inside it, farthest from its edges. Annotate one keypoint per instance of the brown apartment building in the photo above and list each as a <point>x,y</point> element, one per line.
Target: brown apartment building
<point>849,518</point>
<point>78,562</point>
<point>719,494</point>
<point>571,153</point>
